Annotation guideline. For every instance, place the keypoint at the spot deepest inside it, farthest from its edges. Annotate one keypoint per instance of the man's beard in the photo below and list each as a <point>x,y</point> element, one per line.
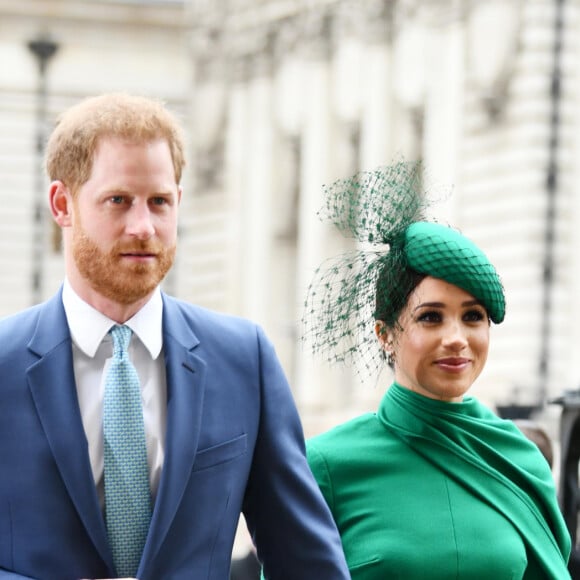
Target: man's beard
<point>112,276</point>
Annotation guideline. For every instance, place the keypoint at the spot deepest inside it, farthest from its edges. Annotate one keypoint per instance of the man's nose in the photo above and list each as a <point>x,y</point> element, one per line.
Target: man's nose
<point>139,222</point>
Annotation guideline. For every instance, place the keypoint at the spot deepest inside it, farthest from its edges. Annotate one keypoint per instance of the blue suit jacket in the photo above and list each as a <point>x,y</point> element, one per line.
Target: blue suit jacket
<point>234,442</point>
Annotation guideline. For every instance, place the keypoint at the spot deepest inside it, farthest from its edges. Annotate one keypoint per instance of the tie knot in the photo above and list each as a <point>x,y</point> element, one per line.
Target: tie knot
<point>121,337</point>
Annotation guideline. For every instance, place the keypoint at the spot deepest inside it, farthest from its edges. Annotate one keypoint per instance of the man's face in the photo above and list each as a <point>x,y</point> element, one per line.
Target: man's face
<point>124,227</point>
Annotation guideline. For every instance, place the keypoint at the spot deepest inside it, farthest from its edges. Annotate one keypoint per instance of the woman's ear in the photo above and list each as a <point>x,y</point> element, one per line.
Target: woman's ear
<point>386,339</point>
<point>61,203</point>
<point>381,332</point>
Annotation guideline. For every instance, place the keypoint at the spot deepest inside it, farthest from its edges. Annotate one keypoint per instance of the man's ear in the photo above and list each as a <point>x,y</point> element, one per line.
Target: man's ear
<point>61,203</point>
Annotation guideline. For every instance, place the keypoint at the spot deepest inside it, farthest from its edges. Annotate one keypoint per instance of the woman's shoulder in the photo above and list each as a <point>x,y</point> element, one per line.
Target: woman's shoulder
<point>346,429</point>
<point>349,438</point>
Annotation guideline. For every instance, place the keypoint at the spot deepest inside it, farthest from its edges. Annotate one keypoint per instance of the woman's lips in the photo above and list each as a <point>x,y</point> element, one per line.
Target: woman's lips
<point>454,364</point>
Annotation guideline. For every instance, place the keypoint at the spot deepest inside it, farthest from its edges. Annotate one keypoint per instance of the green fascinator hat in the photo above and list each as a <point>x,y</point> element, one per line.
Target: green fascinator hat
<point>395,247</point>
<point>442,252</point>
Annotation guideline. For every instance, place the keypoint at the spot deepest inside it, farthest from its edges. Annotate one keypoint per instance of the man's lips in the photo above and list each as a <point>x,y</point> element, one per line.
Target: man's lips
<point>138,256</point>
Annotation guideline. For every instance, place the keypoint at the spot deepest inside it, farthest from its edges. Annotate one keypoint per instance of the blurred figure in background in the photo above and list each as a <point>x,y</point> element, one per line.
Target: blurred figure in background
<point>536,433</point>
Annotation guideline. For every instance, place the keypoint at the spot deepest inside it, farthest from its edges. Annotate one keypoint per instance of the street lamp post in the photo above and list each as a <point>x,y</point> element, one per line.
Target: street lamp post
<point>43,49</point>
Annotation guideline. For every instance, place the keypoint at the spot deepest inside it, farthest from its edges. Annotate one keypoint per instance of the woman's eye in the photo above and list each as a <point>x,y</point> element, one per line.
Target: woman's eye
<point>116,199</point>
<point>430,316</point>
<point>474,316</point>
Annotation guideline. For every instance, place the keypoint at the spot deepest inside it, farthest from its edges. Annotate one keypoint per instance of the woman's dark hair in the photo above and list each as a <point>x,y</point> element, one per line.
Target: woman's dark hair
<point>395,283</point>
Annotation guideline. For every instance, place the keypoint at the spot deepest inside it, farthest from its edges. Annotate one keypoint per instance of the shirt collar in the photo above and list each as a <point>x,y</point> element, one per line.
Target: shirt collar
<point>88,326</point>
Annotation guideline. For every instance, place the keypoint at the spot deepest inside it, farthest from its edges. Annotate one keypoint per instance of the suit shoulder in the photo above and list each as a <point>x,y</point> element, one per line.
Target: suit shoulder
<point>20,323</point>
<point>16,332</point>
<point>211,322</point>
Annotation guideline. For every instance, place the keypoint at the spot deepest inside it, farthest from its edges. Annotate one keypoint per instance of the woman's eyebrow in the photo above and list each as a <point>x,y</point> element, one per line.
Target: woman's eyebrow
<point>467,303</point>
<point>429,305</point>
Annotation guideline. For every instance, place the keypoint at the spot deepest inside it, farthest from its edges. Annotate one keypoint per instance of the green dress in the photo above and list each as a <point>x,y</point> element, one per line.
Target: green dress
<point>429,489</point>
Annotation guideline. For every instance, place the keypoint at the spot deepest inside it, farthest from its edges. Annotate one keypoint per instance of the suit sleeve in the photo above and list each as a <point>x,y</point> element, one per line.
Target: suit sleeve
<point>5,575</point>
<point>289,520</point>
<point>319,468</point>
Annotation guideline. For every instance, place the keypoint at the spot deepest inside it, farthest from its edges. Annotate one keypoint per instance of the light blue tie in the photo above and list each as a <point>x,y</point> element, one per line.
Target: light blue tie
<point>127,493</point>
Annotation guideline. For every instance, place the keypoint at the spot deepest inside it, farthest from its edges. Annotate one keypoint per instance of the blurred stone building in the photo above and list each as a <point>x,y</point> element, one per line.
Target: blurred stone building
<point>282,96</point>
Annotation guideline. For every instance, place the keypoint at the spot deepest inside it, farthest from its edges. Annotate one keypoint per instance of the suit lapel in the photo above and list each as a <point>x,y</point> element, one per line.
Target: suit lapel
<point>52,385</point>
<point>185,389</point>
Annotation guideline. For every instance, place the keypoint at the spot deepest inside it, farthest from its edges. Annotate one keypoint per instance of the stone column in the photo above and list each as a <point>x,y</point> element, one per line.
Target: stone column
<point>288,110</point>
<point>235,164</point>
<point>251,170</point>
<point>258,170</point>
<point>314,377</point>
<point>378,143</point>
<point>443,112</point>
<point>203,231</point>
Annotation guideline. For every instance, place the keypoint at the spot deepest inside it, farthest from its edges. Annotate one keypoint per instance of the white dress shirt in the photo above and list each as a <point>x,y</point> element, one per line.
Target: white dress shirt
<point>92,348</point>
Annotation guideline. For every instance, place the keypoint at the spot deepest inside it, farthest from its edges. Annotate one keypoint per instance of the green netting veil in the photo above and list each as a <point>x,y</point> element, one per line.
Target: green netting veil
<point>384,211</point>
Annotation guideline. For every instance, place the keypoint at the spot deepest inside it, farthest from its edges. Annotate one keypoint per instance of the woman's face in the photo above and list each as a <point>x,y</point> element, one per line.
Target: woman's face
<point>441,342</point>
